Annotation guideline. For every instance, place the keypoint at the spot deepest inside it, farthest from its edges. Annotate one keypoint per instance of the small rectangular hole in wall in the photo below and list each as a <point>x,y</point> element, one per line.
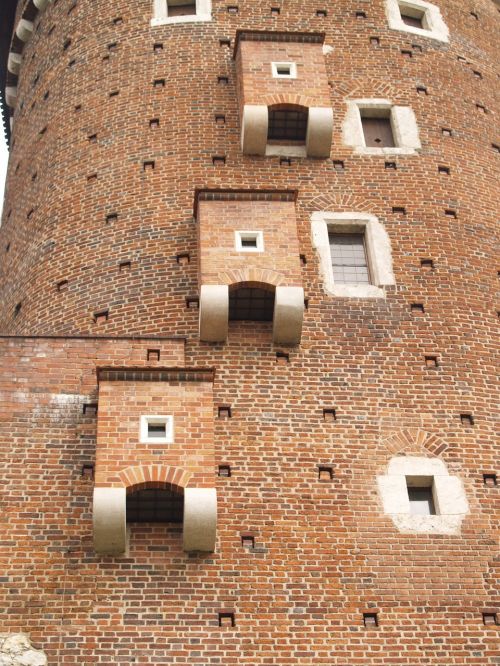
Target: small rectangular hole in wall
<point>183,258</point>
<point>282,358</point>
<point>391,166</point>
<point>420,495</point>
<point>43,130</point>
<point>92,138</point>
<point>7,247</point>
<point>306,304</point>
<point>124,266</point>
<point>303,260</point>
<point>66,44</point>
<point>72,8</point>
<point>329,415</point>
<point>495,147</point>
<point>192,302</point>
<point>467,420</point>
<point>446,131</point>
<point>444,170</point>
<point>226,619</point>
<point>225,42</point>
<point>275,11</point>
<point>220,119</point>
<point>338,165</point>
<point>285,161</point>
<point>148,166</point>
<point>461,59</point>
<point>370,620</point>
<point>427,264</point>
<point>322,13</point>
<point>325,472</point>
<point>360,15</point>
<point>159,83</point>
<point>481,108</point>
<point>154,123</point>
<point>413,17</point>
<point>153,355</point>
<point>118,20</point>
<point>248,541</point>
<point>34,176</point>
<point>477,74</point>
<point>416,47</point>
<point>417,308</point>
<point>114,93</point>
<point>62,285</point>
<point>88,471</point>
<point>111,218</point>
<point>90,408</point>
<point>30,213</point>
<point>113,46</point>
<point>375,41</point>
<point>431,361</point>
<point>158,47</point>
<point>232,9</point>
<point>490,479</point>
<point>399,210</point>
<point>475,15</point>
<point>91,178</point>
<point>490,618</point>
<point>422,90</point>
<point>78,107</point>
<point>218,160</point>
<point>222,80</point>
<point>17,309</point>
<point>72,62</point>
<point>224,412</point>
<point>225,470</point>
<point>101,317</point>
<point>450,212</point>
<point>407,54</point>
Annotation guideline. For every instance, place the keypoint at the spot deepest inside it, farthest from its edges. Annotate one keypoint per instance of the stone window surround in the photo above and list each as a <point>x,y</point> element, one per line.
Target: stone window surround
<point>403,122</point>
<point>435,28</point>
<point>240,235</point>
<point>145,420</point>
<point>277,75</point>
<point>448,491</point>
<point>160,13</point>
<point>378,251</point>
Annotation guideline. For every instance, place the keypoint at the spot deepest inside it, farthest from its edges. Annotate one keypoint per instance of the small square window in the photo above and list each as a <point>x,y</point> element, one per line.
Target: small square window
<point>413,17</point>
<point>349,261</point>
<point>249,241</point>
<point>284,70</point>
<point>157,429</point>
<point>181,8</point>
<point>287,125</point>
<point>420,495</point>
<point>377,130</point>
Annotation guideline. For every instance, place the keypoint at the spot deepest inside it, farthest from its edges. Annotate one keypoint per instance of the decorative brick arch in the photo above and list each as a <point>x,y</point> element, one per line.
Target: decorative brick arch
<point>415,440</point>
<point>147,475</point>
<point>256,275</point>
<point>288,98</point>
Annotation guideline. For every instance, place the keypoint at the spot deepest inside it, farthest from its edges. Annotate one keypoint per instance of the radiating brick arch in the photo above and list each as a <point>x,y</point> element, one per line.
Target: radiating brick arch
<point>257,275</point>
<point>151,475</point>
<point>415,440</point>
<point>288,98</point>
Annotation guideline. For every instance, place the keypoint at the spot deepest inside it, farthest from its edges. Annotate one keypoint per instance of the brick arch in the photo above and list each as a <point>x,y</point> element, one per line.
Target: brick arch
<point>150,475</point>
<point>415,440</point>
<point>287,99</point>
<point>260,275</point>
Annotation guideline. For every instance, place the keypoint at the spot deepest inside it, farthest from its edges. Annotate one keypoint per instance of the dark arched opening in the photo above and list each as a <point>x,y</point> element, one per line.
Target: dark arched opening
<point>287,124</point>
<point>154,504</point>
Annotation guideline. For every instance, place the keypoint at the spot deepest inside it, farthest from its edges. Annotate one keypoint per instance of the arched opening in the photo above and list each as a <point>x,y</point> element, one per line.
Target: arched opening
<point>287,125</point>
<point>251,301</point>
<point>154,503</point>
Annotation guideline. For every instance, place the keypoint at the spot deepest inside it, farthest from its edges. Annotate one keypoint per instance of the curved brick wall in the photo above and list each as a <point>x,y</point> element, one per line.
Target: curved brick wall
<point>81,200</point>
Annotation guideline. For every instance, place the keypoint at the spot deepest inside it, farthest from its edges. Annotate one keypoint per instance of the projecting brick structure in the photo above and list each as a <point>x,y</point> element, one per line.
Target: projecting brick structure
<point>248,333</point>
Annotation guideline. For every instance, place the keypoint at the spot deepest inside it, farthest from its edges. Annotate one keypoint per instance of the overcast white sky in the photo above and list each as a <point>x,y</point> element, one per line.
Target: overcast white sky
<point>3,165</point>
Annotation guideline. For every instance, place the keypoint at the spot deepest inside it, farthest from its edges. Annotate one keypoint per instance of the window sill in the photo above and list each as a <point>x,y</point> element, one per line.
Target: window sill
<point>394,150</point>
<point>195,18</point>
<point>356,291</point>
<point>421,32</point>
<point>285,151</point>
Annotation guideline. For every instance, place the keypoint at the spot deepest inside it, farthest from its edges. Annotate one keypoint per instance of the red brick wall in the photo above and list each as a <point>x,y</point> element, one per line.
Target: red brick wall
<point>325,551</point>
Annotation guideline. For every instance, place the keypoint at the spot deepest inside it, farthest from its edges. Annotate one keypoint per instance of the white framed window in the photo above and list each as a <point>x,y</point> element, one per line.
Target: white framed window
<point>284,70</point>
<point>421,496</point>
<point>156,429</point>
<point>354,253</point>
<point>378,127</point>
<point>249,241</point>
<point>180,11</point>
<point>417,17</point>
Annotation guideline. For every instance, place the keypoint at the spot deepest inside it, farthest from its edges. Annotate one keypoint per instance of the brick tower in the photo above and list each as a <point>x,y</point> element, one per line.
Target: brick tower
<point>249,365</point>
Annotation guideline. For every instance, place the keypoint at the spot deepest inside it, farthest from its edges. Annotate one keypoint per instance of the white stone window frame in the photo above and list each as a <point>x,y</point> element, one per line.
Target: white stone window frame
<point>240,236</point>
<point>276,65</point>
<point>377,247</point>
<point>403,123</point>
<point>449,496</point>
<point>154,419</point>
<point>435,27</point>
<point>161,17</point>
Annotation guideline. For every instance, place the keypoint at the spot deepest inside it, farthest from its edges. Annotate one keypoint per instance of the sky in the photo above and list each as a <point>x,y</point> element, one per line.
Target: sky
<point>4,155</point>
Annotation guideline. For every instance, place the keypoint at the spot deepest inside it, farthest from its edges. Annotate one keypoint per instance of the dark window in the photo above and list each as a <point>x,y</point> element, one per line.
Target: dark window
<point>181,8</point>
<point>349,258</point>
<point>414,21</point>
<point>157,430</point>
<point>378,132</point>
<point>287,125</point>
<point>421,500</point>
<point>248,242</point>
<point>154,505</point>
<point>251,304</point>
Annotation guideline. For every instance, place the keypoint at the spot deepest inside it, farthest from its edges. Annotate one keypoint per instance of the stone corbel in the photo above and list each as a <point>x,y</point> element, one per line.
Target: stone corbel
<point>200,519</point>
<point>319,132</point>
<point>288,315</point>
<point>214,312</point>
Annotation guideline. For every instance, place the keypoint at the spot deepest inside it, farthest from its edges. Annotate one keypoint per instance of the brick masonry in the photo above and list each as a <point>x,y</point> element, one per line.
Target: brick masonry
<point>87,229</point>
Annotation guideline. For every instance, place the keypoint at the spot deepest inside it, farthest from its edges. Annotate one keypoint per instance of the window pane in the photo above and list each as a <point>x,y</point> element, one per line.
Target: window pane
<point>378,132</point>
<point>287,125</point>
<point>421,501</point>
<point>349,258</point>
<point>251,304</point>
<point>154,506</point>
